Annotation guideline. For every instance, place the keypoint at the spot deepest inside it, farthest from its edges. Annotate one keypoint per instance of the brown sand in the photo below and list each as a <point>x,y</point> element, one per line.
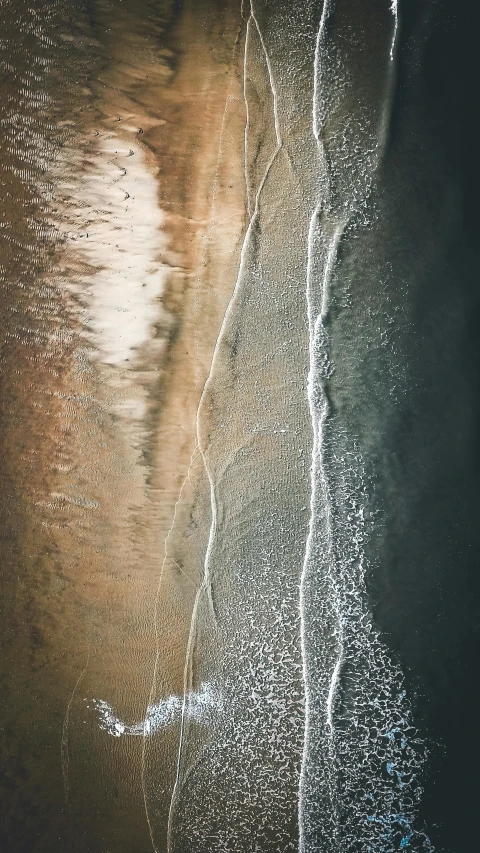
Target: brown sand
<point>97,448</point>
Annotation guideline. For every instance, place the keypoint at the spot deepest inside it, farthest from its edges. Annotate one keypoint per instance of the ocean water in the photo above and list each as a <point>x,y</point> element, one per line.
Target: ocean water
<point>393,392</point>
<point>239,426</point>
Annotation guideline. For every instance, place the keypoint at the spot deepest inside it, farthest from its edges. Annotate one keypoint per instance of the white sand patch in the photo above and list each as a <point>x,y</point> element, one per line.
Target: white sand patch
<point>121,242</point>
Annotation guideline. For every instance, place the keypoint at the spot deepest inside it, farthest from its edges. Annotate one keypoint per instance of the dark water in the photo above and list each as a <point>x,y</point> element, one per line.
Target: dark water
<point>400,443</point>
<point>307,542</point>
<point>425,584</point>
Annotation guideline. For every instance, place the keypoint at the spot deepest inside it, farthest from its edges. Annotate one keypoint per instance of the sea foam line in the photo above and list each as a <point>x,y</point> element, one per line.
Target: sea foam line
<point>317,429</point>
<point>394,8</point>
<point>389,82</point>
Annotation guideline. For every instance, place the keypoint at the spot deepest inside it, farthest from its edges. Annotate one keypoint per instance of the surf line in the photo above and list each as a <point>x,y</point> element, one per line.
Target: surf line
<point>395,12</point>
<point>327,239</point>
<point>318,480</point>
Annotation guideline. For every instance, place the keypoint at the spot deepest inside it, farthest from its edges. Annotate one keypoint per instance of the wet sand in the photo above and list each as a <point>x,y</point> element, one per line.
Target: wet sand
<point>111,317</point>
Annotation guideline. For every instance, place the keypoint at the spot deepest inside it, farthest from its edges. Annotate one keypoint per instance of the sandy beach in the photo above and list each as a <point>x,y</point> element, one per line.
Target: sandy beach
<point>144,225</point>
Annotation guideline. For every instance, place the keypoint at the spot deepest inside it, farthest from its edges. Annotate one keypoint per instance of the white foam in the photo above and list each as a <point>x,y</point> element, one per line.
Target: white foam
<point>159,715</point>
<point>394,8</point>
<point>316,428</point>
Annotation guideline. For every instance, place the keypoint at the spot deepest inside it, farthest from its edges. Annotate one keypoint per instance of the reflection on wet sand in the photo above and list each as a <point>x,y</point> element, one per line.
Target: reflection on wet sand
<point>126,214</point>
